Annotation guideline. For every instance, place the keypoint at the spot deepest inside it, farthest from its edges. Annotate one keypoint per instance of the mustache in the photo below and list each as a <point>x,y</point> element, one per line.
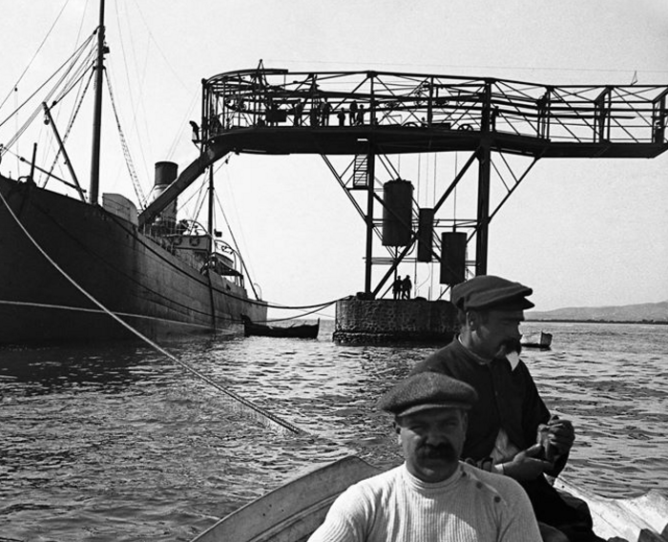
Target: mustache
<point>441,451</point>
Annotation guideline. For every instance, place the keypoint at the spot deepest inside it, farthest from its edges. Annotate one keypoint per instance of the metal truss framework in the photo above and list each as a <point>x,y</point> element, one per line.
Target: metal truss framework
<point>348,179</point>
<point>562,120</point>
<point>370,115</point>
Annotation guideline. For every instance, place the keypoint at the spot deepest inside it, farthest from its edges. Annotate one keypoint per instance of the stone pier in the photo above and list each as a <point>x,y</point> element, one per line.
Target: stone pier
<point>389,321</point>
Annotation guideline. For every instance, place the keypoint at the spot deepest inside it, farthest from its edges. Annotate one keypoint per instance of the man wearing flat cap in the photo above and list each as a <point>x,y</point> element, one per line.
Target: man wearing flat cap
<point>504,425</point>
<point>432,496</point>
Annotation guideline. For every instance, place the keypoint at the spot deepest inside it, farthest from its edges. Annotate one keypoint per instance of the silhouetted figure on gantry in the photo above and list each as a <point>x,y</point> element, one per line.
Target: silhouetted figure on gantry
<point>406,287</point>
<point>397,288</point>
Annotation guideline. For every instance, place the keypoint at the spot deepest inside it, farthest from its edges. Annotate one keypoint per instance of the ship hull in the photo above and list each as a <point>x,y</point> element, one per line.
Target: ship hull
<point>132,275</point>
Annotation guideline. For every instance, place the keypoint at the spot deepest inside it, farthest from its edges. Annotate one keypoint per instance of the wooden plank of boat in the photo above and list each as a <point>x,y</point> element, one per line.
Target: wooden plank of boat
<point>636,519</point>
<point>293,511</point>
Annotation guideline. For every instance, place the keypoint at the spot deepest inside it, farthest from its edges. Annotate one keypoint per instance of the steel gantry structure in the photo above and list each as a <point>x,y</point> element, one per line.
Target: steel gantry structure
<point>371,115</point>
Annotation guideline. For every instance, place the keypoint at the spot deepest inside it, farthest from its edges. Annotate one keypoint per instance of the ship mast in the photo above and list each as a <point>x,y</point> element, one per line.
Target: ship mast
<point>210,223</point>
<point>97,115</point>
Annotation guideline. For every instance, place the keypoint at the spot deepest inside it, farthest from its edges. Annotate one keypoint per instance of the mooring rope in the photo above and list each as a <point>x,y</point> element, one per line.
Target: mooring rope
<point>52,306</point>
<point>279,422</point>
<point>314,311</point>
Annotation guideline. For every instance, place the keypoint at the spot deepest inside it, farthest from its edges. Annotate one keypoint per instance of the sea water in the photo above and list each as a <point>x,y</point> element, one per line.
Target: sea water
<point>117,442</point>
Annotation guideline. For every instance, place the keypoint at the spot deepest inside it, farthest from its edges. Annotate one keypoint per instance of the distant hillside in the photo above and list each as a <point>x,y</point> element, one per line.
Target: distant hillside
<point>645,312</point>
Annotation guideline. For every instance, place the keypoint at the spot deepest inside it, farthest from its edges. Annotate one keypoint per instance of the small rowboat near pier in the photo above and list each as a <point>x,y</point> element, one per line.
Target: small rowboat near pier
<point>299,331</point>
<point>293,511</point>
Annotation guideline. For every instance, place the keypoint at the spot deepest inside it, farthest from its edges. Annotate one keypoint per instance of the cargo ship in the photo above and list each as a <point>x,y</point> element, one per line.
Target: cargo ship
<point>75,268</point>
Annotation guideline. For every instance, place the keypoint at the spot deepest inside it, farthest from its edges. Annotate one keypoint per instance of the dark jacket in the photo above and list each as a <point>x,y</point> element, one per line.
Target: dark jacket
<point>507,399</point>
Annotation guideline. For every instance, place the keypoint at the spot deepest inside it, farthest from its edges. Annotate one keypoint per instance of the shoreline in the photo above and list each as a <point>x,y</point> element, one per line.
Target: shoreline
<point>598,321</point>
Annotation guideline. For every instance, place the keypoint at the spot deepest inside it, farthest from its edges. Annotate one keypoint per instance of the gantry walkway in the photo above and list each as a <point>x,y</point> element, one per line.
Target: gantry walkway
<point>399,113</point>
<point>271,111</point>
<point>280,112</point>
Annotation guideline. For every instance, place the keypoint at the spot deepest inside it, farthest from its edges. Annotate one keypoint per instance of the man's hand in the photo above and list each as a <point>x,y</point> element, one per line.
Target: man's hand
<point>561,434</point>
<point>526,466</point>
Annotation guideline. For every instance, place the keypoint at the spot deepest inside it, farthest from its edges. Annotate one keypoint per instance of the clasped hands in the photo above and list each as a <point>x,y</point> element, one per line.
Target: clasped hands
<point>554,440</point>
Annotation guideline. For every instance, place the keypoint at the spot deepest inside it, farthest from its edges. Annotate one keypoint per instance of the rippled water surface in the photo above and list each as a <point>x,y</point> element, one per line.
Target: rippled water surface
<point>118,443</point>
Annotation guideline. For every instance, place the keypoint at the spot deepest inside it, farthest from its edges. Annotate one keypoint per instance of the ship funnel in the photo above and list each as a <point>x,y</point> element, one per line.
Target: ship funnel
<point>165,174</point>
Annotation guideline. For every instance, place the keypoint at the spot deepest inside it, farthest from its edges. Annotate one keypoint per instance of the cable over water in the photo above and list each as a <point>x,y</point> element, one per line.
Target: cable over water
<point>257,412</point>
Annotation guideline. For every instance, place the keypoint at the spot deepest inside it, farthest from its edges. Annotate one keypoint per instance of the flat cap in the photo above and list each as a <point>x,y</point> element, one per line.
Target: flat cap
<point>425,391</point>
<point>490,292</point>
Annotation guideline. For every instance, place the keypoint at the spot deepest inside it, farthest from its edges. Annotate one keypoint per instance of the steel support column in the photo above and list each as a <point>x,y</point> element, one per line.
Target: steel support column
<point>484,162</point>
<point>371,177</point>
<point>484,167</point>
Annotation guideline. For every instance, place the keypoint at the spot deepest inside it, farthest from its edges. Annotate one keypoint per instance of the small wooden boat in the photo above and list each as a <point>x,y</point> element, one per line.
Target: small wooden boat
<point>637,519</point>
<point>540,340</point>
<point>293,511</point>
<point>300,331</point>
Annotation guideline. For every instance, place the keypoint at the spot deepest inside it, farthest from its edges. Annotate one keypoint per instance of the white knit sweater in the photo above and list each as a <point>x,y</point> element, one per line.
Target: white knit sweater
<point>470,506</point>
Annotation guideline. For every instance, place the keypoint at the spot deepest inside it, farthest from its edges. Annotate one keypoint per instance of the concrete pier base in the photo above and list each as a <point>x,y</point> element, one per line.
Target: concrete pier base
<point>389,321</point>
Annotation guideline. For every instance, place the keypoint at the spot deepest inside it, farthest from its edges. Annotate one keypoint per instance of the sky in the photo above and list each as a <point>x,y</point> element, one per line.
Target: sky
<point>580,232</point>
